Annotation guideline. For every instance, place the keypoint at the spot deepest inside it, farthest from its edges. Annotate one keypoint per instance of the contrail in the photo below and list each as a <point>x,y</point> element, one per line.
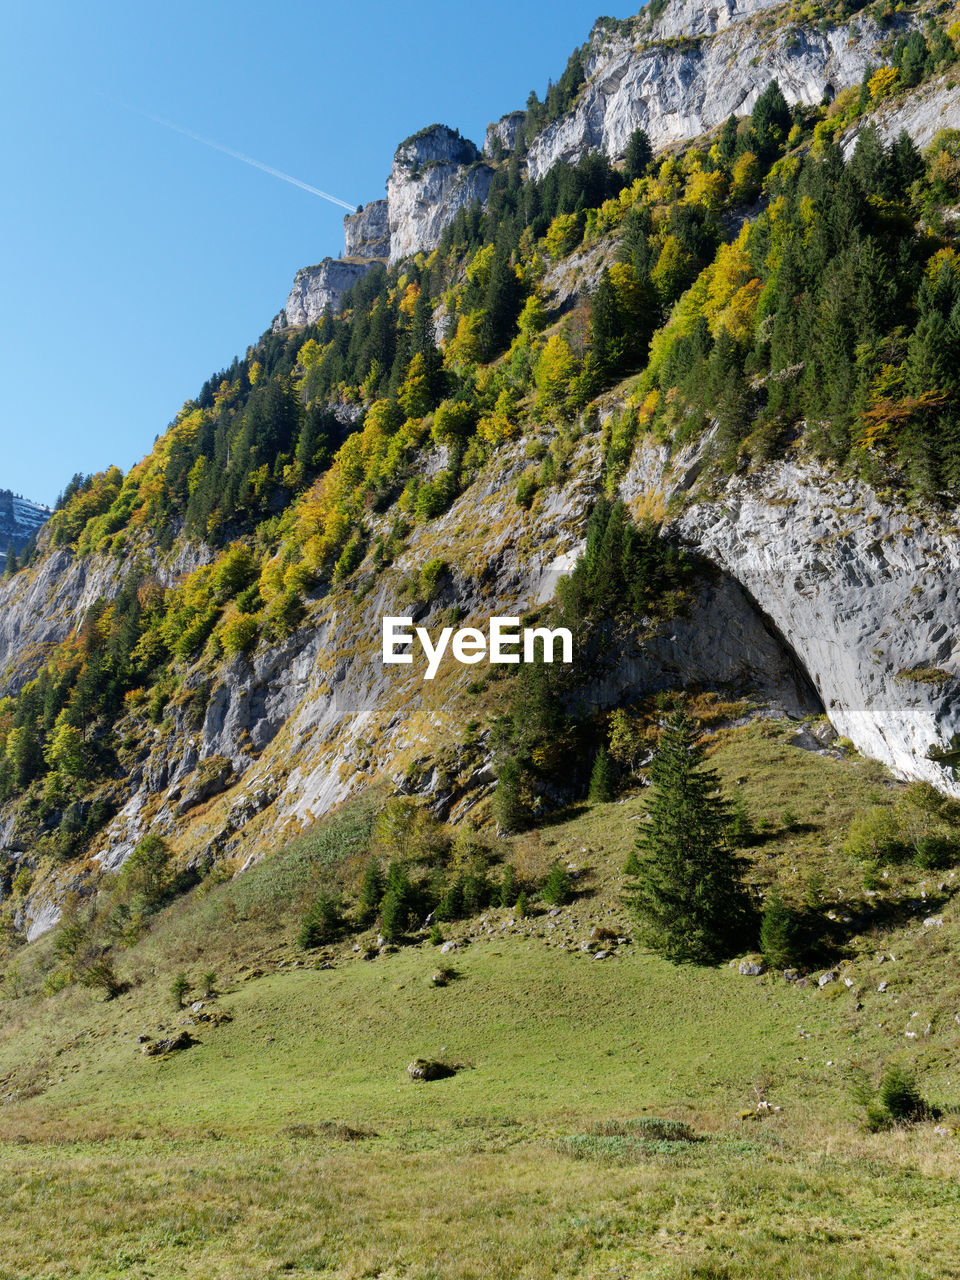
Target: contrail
<point>238,155</point>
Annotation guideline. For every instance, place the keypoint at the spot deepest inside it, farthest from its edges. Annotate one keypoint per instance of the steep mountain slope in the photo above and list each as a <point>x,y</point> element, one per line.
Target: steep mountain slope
<point>749,344</point>
<point>312,964</point>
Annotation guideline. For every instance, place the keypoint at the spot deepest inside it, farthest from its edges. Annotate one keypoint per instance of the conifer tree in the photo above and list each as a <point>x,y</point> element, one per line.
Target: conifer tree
<point>371,892</point>
<point>601,779</point>
<point>606,326</point>
<point>689,896</point>
<point>778,932</point>
<point>638,156</point>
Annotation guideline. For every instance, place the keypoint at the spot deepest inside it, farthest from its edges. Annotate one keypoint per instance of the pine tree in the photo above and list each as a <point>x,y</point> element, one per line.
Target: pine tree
<point>638,156</point>
<point>508,803</point>
<point>690,898</point>
<point>778,932</point>
<point>371,892</point>
<point>601,779</point>
<point>770,120</point>
<point>606,326</point>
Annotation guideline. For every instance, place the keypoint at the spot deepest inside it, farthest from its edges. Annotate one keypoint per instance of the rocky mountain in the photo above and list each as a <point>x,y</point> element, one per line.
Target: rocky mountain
<point>435,174</point>
<point>625,344</point>
<point>687,72</point>
<point>20,519</point>
<point>677,76</point>
<point>319,289</point>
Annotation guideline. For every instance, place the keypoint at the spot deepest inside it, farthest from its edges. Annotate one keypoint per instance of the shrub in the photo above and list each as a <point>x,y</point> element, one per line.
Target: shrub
<point>436,936</point>
<point>179,988</point>
<point>900,1094</point>
<point>779,932</point>
<point>557,889</point>
<point>897,1099</point>
<point>527,487</point>
<point>935,853</point>
<point>322,923</point>
<point>101,975</point>
<point>874,836</point>
<point>601,778</point>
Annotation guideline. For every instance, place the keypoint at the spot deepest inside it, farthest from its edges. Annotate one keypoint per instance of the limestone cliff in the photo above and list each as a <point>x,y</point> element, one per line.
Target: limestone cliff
<point>20,519</point>
<point>503,132</point>
<point>367,232</point>
<point>315,289</point>
<point>694,67</point>
<point>435,174</point>
<point>926,111</point>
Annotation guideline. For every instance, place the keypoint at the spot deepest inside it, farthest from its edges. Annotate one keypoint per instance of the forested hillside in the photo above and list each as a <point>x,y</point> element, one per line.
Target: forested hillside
<point>755,289</point>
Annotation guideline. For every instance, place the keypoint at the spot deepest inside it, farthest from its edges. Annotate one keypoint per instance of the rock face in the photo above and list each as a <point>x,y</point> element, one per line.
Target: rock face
<point>864,596</point>
<point>367,233</point>
<point>503,131</point>
<point>19,521</point>
<point>821,597</point>
<point>435,174</point>
<point>693,18</point>
<point>928,109</point>
<point>317,288</point>
<point>40,607</point>
<point>721,58</point>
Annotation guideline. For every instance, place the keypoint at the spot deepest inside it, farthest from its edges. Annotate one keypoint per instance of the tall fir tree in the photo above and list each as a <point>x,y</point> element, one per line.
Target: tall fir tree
<point>690,898</point>
<point>638,155</point>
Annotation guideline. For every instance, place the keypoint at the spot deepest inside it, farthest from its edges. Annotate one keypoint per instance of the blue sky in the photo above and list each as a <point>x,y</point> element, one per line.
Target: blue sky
<point>137,262</point>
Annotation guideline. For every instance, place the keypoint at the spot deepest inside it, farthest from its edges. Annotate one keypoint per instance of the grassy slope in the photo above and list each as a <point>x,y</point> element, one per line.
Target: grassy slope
<point>222,1161</point>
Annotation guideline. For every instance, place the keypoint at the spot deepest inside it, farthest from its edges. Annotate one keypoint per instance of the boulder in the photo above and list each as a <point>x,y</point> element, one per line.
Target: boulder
<point>426,1069</point>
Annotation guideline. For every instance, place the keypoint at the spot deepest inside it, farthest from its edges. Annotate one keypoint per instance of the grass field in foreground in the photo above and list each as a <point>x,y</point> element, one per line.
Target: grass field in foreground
<point>290,1142</point>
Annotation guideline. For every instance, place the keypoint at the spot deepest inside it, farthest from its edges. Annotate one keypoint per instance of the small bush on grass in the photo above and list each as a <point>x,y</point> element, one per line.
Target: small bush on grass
<point>897,1099</point>
<point>323,922</point>
<point>179,988</point>
<point>557,890</point>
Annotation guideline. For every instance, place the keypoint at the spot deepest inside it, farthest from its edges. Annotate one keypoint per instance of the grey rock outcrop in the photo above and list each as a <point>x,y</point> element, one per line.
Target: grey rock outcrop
<point>319,287</point>
<point>693,18</point>
<point>20,519</point>
<point>927,110</point>
<point>40,606</point>
<point>699,65</point>
<point>367,233</point>
<point>503,131</point>
<point>867,598</point>
<point>435,174</point>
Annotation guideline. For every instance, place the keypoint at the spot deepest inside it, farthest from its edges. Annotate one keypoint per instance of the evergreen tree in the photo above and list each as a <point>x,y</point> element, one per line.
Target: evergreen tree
<point>557,890</point>
<point>689,896</point>
<point>606,326</point>
<point>778,932</point>
<point>728,140</point>
<point>508,803</point>
<point>371,892</point>
<point>601,779</point>
<point>638,156</point>
<point>770,121</point>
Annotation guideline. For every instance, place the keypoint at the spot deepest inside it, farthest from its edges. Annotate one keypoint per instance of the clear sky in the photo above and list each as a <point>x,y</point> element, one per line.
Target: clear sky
<point>136,262</point>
